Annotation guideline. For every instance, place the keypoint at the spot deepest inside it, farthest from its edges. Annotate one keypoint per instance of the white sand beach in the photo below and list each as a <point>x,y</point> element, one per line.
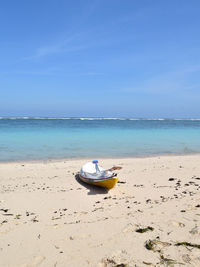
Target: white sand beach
<point>48,218</point>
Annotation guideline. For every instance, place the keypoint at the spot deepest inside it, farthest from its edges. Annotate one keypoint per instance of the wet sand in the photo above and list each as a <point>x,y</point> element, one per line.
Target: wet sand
<point>49,218</point>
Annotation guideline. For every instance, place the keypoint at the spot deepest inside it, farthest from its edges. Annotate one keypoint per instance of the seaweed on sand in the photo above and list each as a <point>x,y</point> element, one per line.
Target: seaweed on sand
<point>156,245</point>
<point>149,245</point>
<point>187,244</point>
<point>143,230</point>
<point>111,262</point>
<point>167,261</point>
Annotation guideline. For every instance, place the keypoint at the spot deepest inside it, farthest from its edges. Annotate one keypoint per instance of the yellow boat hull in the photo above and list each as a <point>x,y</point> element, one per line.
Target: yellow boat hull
<point>107,183</point>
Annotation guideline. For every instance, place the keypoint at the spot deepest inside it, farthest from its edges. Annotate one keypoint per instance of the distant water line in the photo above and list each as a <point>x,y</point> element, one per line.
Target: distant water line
<point>40,138</point>
<point>97,118</point>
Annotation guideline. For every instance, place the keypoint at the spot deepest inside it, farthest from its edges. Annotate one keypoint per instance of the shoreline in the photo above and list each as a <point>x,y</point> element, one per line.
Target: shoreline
<point>100,158</point>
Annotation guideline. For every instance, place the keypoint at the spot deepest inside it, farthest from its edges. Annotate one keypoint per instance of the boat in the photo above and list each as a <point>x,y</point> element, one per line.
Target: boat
<point>93,174</point>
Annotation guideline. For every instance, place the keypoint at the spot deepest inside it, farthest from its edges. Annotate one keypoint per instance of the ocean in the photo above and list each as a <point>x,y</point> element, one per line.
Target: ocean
<point>58,138</point>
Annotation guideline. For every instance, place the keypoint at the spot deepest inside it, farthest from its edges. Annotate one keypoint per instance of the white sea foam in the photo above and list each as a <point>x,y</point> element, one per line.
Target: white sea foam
<point>100,118</point>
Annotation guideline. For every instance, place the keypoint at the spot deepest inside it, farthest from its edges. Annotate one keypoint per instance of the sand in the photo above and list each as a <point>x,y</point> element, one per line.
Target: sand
<point>48,218</point>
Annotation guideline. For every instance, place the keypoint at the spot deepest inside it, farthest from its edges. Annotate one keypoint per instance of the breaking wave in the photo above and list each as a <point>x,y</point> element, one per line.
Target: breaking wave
<point>99,118</point>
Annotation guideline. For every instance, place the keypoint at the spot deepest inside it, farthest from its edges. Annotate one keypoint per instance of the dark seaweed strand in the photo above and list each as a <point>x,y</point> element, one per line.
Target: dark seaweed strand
<point>187,244</point>
<point>143,230</point>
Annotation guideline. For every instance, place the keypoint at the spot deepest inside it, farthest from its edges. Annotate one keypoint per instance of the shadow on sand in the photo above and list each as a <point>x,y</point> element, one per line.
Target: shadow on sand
<point>94,190</point>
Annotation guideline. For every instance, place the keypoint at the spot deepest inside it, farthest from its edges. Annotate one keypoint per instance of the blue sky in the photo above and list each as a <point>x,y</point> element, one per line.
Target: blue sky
<point>116,58</point>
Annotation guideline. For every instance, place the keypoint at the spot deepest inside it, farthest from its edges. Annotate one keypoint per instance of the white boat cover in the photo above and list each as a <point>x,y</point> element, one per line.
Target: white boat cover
<point>93,171</point>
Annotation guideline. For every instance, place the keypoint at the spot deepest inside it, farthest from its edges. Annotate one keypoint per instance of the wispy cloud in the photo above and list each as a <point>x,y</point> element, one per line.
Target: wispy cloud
<point>92,73</point>
<point>50,72</point>
<point>178,81</point>
<point>73,42</point>
<point>65,45</point>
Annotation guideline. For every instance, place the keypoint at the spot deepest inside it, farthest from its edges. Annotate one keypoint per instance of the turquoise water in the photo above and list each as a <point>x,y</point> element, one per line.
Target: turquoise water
<point>51,138</point>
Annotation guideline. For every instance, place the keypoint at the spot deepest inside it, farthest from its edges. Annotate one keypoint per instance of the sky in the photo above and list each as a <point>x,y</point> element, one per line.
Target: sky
<point>100,58</point>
